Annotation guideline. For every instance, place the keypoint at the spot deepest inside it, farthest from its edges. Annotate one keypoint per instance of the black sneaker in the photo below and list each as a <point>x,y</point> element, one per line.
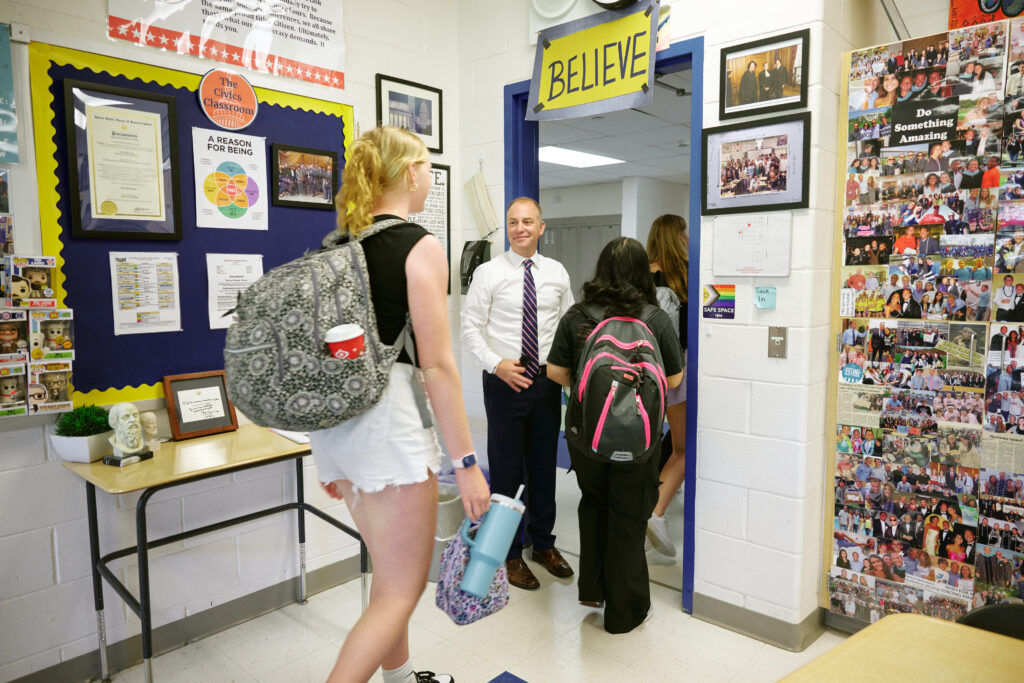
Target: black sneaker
<point>431,677</point>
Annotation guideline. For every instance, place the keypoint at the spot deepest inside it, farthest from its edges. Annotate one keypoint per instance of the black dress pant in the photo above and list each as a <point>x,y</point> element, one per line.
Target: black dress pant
<point>616,502</point>
<point>522,448</point>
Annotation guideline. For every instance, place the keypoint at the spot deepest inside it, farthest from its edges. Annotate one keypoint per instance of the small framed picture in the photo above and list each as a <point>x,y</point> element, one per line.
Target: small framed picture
<point>5,191</point>
<point>757,166</point>
<point>303,177</point>
<point>412,106</point>
<point>197,405</point>
<point>764,75</point>
<point>122,162</point>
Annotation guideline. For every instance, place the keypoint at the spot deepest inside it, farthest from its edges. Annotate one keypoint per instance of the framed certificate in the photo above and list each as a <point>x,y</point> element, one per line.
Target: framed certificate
<point>122,162</point>
<point>197,405</point>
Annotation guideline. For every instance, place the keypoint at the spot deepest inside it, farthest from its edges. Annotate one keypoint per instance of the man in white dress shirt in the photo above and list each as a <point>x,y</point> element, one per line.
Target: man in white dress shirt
<point>508,322</point>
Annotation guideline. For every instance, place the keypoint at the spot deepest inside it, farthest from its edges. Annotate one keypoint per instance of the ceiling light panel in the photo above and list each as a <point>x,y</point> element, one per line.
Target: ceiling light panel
<point>572,158</point>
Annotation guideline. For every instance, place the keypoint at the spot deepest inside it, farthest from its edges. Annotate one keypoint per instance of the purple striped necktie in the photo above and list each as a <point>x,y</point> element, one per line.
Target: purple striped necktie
<point>530,321</point>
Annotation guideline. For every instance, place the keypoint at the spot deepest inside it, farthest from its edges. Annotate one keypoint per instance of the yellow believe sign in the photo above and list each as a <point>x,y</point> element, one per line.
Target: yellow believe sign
<point>599,63</point>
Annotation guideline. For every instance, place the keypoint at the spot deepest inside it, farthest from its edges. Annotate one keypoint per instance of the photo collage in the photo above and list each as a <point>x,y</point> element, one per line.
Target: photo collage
<point>929,476</point>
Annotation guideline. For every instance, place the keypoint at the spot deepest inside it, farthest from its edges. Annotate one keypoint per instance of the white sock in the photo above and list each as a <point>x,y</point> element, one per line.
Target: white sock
<point>403,674</point>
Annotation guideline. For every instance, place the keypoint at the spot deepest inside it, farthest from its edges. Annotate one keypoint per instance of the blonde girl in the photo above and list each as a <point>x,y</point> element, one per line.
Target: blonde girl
<point>383,462</point>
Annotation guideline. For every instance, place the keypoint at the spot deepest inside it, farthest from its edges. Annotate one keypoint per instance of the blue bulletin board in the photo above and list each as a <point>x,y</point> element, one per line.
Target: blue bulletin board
<point>111,368</point>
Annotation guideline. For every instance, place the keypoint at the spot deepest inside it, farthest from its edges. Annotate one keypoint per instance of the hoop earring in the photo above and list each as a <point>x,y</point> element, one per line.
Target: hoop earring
<point>415,186</point>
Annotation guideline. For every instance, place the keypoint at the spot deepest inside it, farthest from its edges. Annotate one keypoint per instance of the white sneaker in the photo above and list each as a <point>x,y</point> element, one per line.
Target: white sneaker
<point>657,533</point>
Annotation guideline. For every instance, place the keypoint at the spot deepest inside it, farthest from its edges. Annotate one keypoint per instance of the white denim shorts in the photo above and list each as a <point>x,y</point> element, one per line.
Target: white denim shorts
<point>677,394</point>
<point>385,446</point>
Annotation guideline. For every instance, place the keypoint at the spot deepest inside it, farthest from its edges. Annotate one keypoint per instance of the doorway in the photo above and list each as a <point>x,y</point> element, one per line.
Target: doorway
<point>523,178</point>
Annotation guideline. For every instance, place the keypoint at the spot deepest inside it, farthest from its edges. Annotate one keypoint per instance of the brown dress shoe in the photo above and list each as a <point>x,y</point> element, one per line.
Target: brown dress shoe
<point>520,576</point>
<point>553,562</point>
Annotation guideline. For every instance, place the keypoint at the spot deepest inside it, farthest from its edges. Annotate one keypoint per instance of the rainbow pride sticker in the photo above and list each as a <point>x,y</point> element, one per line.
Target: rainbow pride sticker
<point>720,302</point>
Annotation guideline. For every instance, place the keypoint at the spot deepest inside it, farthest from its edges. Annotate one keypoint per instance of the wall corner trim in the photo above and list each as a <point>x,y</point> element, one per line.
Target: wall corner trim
<point>776,632</point>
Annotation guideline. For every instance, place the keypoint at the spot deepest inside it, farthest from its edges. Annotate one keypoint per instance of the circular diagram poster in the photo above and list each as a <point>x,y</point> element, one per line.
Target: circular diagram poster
<point>230,174</point>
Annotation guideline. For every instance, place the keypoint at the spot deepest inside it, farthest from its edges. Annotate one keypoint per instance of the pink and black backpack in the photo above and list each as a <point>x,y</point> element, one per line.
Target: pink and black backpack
<point>617,405</point>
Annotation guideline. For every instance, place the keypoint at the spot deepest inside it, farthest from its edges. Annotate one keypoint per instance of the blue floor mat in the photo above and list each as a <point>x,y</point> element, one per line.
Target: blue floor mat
<point>507,678</point>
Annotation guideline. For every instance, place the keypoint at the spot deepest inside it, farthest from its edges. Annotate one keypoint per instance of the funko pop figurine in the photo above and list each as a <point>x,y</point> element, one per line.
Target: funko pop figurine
<point>55,333</point>
<point>10,337</point>
<point>36,395</point>
<point>39,279</point>
<point>19,289</point>
<point>11,391</point>
<point>56,384</point>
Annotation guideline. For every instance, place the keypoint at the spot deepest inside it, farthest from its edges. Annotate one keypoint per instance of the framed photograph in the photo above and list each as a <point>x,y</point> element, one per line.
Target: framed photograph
<point>303,177</point>
<point>5,190</point>
<point>122,162</point>
<point>757,166</point>
<point>764,75</point>
<point>412,106</point>
<point>197,405</point>
<point>436,215</point>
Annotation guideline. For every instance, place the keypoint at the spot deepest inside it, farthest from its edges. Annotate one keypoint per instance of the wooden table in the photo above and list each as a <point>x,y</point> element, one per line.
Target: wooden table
<point>913,647</point>
<point>178,463</point>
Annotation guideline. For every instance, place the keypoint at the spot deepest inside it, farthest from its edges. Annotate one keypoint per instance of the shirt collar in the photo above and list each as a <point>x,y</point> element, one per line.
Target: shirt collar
<point>517,261</point>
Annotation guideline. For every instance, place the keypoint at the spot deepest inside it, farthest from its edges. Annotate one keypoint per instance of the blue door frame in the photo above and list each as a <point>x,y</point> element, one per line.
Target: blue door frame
<point>522,179</point>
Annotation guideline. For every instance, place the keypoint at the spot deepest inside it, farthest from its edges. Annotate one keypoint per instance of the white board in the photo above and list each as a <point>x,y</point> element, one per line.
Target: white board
<point>752,244</point>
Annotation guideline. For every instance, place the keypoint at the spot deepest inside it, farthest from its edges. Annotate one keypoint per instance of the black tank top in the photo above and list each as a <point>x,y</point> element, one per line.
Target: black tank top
<point>385,259</point>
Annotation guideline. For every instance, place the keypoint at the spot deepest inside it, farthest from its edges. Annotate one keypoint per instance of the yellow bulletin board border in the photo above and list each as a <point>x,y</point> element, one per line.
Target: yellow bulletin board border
<point>40,57</point>
<point>832,390</point>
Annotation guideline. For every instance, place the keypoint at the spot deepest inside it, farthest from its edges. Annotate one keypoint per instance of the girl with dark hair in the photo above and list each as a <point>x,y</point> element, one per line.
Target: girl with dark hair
<point>617,497</point>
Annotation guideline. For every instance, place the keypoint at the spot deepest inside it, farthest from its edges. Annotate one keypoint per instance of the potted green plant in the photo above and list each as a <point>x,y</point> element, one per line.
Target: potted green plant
<point>82,435</point>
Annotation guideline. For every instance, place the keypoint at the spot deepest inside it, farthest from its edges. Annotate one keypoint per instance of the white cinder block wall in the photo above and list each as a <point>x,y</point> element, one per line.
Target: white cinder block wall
<point>46,609</point>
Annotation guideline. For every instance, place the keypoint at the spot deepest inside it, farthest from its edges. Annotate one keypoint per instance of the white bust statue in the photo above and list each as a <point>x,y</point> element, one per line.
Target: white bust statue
<point>150,429</point>
<point>127,439</point>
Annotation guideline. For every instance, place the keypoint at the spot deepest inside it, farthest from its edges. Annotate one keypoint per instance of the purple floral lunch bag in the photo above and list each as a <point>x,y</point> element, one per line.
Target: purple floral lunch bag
<point>462,607</point>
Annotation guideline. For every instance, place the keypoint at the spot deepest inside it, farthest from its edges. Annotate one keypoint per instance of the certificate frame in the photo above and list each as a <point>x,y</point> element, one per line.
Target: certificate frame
<point>87,223</point>
<point>398,98</point>
<point>717,198</point>
<point>276,197</point>
<point>174,385</point>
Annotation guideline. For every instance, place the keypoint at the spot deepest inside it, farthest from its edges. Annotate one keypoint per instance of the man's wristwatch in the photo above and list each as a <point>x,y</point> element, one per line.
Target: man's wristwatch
<point>465,461</point>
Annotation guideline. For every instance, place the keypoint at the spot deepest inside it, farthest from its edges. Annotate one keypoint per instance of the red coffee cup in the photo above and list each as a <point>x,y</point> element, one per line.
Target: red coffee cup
<point>346,342</point>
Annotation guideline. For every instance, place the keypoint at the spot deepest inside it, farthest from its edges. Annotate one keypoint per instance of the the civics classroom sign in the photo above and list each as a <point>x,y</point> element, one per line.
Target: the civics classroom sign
<point>600,63</point>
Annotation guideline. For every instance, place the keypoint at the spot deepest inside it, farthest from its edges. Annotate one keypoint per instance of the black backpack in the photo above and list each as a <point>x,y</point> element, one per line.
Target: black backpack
<point>617,405</point>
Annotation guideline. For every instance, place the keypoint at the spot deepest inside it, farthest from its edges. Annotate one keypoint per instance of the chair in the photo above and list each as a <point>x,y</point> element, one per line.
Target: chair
<point>1006,619</point>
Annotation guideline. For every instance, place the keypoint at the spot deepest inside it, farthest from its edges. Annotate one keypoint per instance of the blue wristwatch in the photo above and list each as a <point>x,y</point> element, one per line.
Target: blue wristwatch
<point>464,461</point>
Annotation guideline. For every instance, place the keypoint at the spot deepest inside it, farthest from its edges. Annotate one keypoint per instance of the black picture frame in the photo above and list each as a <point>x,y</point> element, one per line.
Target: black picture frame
<point>795,46</point>
<point>187,429</point>
<point>401,100</point>
<point>797,128</point>
<point>279,199</point>
<point>440,226</point>
<point>85,223</point>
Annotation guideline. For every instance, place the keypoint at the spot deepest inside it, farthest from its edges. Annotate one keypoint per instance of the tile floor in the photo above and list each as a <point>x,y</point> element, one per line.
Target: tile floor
<point>543,636</point>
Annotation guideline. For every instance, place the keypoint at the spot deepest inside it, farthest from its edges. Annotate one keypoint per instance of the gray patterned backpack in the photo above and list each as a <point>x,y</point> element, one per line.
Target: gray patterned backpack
<point>279,371</point>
